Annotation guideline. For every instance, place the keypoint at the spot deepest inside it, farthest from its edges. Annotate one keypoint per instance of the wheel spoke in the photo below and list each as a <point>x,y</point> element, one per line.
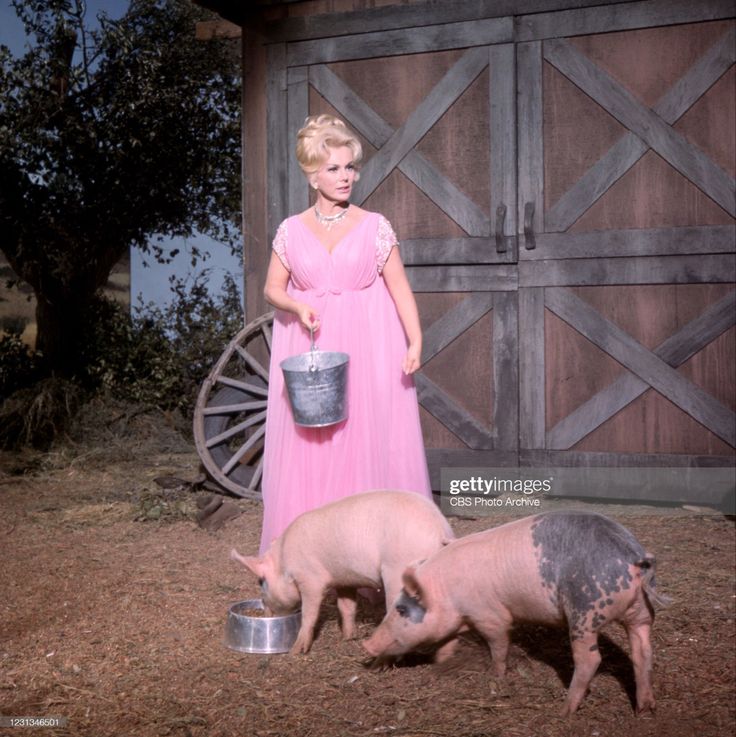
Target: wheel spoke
<point>257,475</point>
<point>261,391</point>
<point>252,362</point>
<point>252,440</point>
<point>235,429</point>
<point>231,409</point>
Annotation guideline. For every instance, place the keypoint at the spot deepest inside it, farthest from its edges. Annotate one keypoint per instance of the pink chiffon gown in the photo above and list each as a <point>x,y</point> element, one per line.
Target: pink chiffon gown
<point>379,445</point>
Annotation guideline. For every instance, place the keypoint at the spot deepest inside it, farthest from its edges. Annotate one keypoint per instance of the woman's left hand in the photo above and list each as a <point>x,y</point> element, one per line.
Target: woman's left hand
<point>412,361</point>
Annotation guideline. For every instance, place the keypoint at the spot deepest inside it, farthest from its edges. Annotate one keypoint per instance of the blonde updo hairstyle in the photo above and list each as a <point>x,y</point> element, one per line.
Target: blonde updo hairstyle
<point>319,134</point>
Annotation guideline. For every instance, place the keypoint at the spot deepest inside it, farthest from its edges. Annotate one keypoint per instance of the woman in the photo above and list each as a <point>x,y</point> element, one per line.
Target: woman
<point>336,268</point>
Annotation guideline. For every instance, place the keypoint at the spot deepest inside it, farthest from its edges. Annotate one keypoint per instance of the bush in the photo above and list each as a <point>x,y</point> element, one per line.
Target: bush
<point>156,358</point>
<point>160,356</point>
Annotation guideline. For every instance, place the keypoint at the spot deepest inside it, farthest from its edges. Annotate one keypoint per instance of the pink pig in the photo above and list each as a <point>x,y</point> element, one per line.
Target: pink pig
<point>573,568</point>
<point>364,540</point>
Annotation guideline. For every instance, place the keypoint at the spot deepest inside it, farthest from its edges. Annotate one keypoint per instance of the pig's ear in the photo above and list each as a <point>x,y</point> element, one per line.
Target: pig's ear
<point>409,579</point>
<point>254,565</point>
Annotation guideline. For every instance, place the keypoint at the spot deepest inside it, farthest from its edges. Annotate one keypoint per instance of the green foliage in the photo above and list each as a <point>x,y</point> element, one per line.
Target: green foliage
<point>156,359</point>
<point>161,356</point>
<point>110,138</point>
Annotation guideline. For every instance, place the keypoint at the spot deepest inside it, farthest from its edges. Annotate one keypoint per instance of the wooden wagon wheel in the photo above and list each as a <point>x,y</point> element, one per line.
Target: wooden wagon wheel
<point>230,414</point>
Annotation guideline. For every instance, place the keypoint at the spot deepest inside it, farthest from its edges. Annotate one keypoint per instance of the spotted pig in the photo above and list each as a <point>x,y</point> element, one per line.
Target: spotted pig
<point>575,568</point>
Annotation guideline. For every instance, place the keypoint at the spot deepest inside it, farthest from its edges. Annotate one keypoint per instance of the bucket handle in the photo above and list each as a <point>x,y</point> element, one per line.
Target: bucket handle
<point>312,351</point>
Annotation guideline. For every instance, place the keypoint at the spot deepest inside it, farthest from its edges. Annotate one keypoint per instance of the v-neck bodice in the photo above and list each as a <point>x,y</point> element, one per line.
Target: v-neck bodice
<point>345,237</point>
<point>352,264</point>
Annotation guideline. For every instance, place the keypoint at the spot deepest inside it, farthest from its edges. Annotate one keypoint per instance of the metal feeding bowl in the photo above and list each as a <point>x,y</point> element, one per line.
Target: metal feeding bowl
<point>248,632</point>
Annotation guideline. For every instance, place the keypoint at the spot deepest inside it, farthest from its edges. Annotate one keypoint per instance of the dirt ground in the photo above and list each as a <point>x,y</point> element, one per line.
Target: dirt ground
<point>112,616</point>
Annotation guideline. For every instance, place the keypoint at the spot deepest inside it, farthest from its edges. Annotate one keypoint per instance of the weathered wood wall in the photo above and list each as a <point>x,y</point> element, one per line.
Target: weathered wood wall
<point>561,175</point>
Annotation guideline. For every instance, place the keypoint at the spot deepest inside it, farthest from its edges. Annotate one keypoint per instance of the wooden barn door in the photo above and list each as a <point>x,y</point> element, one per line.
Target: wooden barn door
<point>626,212</point>
<point>437,123</point>
<point>562,184</point>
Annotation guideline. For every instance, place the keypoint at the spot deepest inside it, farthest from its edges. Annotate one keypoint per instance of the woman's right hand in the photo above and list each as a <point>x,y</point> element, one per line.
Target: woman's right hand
<point>307,316</point>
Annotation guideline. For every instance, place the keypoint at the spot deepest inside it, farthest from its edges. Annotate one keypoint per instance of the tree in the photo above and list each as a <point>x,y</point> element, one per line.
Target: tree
<point>110,138</point>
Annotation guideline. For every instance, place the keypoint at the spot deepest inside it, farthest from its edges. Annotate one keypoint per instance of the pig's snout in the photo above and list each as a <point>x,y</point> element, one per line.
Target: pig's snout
<point>382,643</point>
<point>370,647</point>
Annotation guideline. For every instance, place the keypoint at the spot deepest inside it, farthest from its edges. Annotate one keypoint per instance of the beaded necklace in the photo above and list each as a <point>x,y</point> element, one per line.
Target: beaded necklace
<point>329,220</point>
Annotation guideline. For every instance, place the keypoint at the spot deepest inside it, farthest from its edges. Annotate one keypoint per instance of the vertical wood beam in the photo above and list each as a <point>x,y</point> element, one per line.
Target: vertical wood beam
<point>298,91</point>
<point>532,405</point>
<point>506,370</point>
<point>278,163</point>
<point>254,174</point>
<point>502,96</point>
<point>530,136</point>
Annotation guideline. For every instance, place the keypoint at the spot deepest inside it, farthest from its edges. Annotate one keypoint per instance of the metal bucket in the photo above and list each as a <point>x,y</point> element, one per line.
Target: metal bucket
<point>317,385</point>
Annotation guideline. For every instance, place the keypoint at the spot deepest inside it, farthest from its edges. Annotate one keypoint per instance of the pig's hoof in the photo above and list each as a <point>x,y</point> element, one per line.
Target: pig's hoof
<point>300,648</point>
<point>647,706</point>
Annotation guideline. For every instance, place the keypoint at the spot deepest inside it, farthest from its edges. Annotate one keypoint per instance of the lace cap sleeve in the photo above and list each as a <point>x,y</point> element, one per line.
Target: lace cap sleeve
<point>279,245</point>
<point>385,240</point>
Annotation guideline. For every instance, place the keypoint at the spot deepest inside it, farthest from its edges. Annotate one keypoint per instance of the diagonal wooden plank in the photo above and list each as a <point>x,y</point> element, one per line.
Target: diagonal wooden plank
<point>418,169</point>
<point>453,322</point>
<point>595,182</point>
<point>702,75</point>
<point>677,349</point>
<point>622,156</point>
<point>689,160</point>
<point>426,114</point>
<point>618,344</point>
<point>456,419</point>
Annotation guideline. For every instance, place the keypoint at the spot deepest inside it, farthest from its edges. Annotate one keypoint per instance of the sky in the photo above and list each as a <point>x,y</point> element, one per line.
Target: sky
<point>148,283</point>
